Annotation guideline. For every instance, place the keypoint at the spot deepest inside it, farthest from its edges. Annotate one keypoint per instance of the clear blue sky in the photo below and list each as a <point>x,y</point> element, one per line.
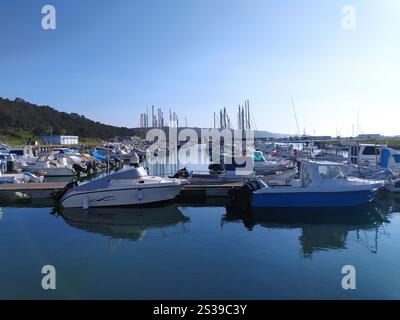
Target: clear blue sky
<point>109,60</point>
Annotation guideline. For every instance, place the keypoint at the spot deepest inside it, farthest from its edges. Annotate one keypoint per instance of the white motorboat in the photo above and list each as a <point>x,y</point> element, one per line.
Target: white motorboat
<point>261,165</point>
<point>131,187</point>
<point>25,177</point>
<point>23,157</point>
<point>53,164</point>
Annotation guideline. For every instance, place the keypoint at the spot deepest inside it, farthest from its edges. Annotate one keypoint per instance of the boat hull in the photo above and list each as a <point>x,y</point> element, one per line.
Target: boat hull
<point>121,197</point>
<point>313,199</point>
<point>52,172</point>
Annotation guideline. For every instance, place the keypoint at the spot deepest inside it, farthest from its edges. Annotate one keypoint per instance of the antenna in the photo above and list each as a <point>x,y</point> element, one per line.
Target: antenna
<point>358,121</point>
<point>214,120</point>
<point>295,116</point>
<point>248,115</point>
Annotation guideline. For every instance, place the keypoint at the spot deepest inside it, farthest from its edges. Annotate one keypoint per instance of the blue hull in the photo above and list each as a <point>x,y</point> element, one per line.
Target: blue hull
<point>312,199</point>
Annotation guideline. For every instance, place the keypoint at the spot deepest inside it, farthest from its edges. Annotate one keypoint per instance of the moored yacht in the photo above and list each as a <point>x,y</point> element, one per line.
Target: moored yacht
<point>53,164</point>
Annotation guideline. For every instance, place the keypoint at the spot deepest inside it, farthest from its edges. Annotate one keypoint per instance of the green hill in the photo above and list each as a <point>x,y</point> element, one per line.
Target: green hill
<point>21,120</point>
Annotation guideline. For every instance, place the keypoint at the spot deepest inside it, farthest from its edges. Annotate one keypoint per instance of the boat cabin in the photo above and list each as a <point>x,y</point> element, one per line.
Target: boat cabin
<point>315,173</point>
<point>25,152</point>
<point>125,176</point>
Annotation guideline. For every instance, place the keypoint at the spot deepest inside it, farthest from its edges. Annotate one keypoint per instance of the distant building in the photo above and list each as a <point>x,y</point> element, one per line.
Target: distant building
<point>60,140</point>
<point>324,138</point>
<point>369,137</point>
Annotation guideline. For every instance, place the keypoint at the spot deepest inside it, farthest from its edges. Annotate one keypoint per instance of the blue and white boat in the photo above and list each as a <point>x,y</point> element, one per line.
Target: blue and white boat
<point>321,185</point>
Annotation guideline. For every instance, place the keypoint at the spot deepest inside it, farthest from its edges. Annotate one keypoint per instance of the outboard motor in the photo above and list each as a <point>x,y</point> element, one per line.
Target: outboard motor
<point>90,167</point>
<point>181,174</point>
<point>241,198</point>
<point>79,169</point>
<point>10,163</point>
<point>57,195</point>
<point>216,168</point>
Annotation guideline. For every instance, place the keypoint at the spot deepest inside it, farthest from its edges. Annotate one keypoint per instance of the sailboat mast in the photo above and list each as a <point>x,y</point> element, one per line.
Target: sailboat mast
<point>295,116</point>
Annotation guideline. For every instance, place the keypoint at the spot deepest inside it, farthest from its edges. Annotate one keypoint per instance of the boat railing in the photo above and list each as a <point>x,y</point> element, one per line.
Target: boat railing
<point>221,177</point>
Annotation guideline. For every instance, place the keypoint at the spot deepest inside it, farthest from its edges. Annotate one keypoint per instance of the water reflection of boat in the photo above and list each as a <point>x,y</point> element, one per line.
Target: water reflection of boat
<point>124,223</point>
<point>318,230</point>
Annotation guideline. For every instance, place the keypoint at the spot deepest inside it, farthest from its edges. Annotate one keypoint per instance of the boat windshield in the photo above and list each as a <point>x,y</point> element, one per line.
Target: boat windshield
<point>43,157</point>
<point>331,172</point>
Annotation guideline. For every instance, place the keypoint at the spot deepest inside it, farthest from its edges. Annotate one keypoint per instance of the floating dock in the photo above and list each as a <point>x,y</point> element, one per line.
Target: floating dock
<point>30,190</point>
<point>45,190</point>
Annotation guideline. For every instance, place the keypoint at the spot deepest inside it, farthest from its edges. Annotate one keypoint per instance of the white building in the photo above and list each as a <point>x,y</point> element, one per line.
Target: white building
<point>61,140</point>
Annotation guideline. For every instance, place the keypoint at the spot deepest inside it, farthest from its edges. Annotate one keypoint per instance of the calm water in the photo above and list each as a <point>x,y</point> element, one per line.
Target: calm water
<point>195,252</point>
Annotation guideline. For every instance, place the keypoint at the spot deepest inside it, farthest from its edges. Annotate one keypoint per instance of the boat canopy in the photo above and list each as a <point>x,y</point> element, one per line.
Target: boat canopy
<point>258,156</point>
<point>99,156</point>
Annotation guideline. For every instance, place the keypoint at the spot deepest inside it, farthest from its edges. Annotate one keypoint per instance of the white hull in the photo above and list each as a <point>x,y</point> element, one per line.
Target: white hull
<point>53,172</point>
<point>133,196</point>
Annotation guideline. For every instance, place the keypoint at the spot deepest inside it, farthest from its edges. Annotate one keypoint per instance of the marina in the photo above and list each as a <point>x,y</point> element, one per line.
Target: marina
<point>290,211</point>
<point>371,163</point>
<point>200,151</point>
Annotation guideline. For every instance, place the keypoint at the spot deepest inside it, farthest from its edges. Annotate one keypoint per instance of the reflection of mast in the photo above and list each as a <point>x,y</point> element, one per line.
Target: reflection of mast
<point>112,246</point>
